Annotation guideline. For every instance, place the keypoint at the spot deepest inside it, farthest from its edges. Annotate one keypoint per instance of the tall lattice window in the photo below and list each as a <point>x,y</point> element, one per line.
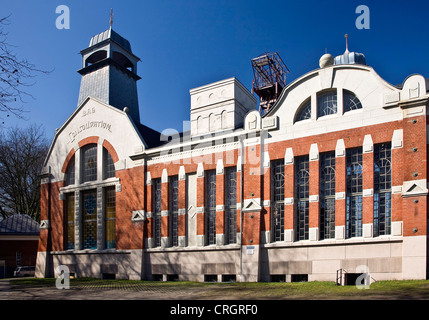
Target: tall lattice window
<point>354,192</point>
<point>156,211</point>
<point>210,207</point>
<point>70,208</point>
<point>302,188</point>
<point>110,217</point>
<point>89,163</point>
<point>277,200</point>
<point>327,195</point>
<point>174,210</point>
<point>326,103</point>
<point>231,204</point>
<point>108,165</point>
<point>89,219</point>
<point>382,189</point>
<point>70,172</point>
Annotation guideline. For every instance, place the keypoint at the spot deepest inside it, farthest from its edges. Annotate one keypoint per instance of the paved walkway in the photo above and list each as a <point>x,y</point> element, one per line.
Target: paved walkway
<point>99,290</point>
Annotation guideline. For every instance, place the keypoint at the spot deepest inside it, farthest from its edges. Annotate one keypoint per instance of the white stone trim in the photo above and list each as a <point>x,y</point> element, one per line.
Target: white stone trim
<point>368,145</point>
<point>340,232</point>
<point>397,139</point>
<point>396,228</point>
<point>164,176</point>
<point>314,198</point>
<point>340,148</point>
<point>138,216</point>
<point>367,192</point>
<point>314,152</point>
<point>289,156</point>
<point>219,166</point>
<point>340,195</point>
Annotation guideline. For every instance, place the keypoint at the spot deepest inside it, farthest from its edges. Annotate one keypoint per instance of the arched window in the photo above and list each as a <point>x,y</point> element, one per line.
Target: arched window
<point>95,57</point>
<point>70,173</point>
<point>89,162</point>
<point>90,199</point>
<point>108,165</point>
<point>326,103</point>
<point>304,112</point>
<point>350,101</point>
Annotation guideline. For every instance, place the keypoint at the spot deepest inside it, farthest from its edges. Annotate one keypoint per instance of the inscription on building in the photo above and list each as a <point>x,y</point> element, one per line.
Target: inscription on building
<point>89,125</point>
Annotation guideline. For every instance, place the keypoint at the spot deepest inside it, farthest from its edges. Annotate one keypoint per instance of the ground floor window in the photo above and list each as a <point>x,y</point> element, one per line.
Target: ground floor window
<point>70,216</point>
<point>89,219</point>
<point>110,217</point>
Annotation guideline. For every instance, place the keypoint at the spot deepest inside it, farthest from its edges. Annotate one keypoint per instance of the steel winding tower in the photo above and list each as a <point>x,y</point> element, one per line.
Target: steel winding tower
<point>269,73</point>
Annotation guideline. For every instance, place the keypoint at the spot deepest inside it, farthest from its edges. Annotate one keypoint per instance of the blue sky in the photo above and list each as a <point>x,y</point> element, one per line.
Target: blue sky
<point>184,44</point>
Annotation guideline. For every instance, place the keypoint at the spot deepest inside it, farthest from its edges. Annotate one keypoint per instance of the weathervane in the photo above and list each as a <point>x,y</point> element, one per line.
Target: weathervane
<point>111,18</point>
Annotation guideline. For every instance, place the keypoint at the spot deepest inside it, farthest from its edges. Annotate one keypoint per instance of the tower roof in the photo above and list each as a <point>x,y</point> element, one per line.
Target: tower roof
<point>112,35</point>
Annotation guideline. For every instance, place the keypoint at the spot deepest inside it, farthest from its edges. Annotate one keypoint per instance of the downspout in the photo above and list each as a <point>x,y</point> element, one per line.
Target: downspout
<point>241,137</point>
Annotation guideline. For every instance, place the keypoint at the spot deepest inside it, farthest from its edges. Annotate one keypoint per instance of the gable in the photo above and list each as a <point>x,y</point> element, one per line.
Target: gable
<point>95,122</point>
<point>358,80</point>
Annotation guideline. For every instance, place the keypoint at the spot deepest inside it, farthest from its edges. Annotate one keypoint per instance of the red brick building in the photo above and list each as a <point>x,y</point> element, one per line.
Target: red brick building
<point>19,236</point>
<point>333,177</point>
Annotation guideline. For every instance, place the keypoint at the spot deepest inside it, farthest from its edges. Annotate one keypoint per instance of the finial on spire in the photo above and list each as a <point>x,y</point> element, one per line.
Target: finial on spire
<point>111,17</point>
<point>347,45</point>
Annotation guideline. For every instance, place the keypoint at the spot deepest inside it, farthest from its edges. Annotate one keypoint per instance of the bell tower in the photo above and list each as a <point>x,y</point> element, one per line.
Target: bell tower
<point>109,72</point>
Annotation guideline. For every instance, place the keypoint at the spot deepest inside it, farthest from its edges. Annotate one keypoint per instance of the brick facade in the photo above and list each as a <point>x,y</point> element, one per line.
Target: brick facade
<point>388,115</point>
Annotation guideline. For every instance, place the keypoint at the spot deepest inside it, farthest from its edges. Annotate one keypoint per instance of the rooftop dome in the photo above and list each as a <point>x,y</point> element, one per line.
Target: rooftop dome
<point>350,57</point>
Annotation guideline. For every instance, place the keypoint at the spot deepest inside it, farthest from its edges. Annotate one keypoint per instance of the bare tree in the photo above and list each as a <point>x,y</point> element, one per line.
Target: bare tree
<point>15,75</point>
<point>22,152</point>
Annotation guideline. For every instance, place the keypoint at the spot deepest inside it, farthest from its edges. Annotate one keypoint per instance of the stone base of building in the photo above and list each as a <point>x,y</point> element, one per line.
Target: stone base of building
<point>384,258</point>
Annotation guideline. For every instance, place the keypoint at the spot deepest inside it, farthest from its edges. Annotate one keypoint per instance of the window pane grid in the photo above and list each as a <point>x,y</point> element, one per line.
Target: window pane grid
<point>382,189</point>
<point>231,204</point>
<point>354,192</point>
<point>70,173</point>
<point>109,166</point>
<point>157,212</point>
<point>110,217</point>
<point>70,198</point>
<point>326,103</point>
<point>277,196</point>
<point>327,195</point>
<point>302,188</point>
<point>210,207</point>
<point>350,101</point>
<point>89,163</point>
<point>174,210</point>
<point>305,111</point>
<point>89,219</point>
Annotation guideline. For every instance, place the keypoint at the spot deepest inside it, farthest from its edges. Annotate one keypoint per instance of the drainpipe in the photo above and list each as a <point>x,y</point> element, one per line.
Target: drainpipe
<point>241,138</point>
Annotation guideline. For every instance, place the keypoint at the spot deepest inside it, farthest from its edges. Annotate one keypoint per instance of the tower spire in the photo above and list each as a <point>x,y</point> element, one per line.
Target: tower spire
<point>347,45</point>
<point>111,17</point>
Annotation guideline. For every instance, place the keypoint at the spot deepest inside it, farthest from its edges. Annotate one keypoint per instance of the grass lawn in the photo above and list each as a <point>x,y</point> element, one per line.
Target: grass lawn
<point>405,289</point>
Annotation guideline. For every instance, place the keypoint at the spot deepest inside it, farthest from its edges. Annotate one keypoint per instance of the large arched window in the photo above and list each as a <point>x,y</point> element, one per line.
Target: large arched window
<point>90,189</point>
<point>304,112</point>
<point>326,103</point>
<point>350,101</point>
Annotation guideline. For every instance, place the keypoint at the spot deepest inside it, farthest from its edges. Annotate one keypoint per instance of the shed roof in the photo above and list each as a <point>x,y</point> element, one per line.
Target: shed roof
<point>19,224</point>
